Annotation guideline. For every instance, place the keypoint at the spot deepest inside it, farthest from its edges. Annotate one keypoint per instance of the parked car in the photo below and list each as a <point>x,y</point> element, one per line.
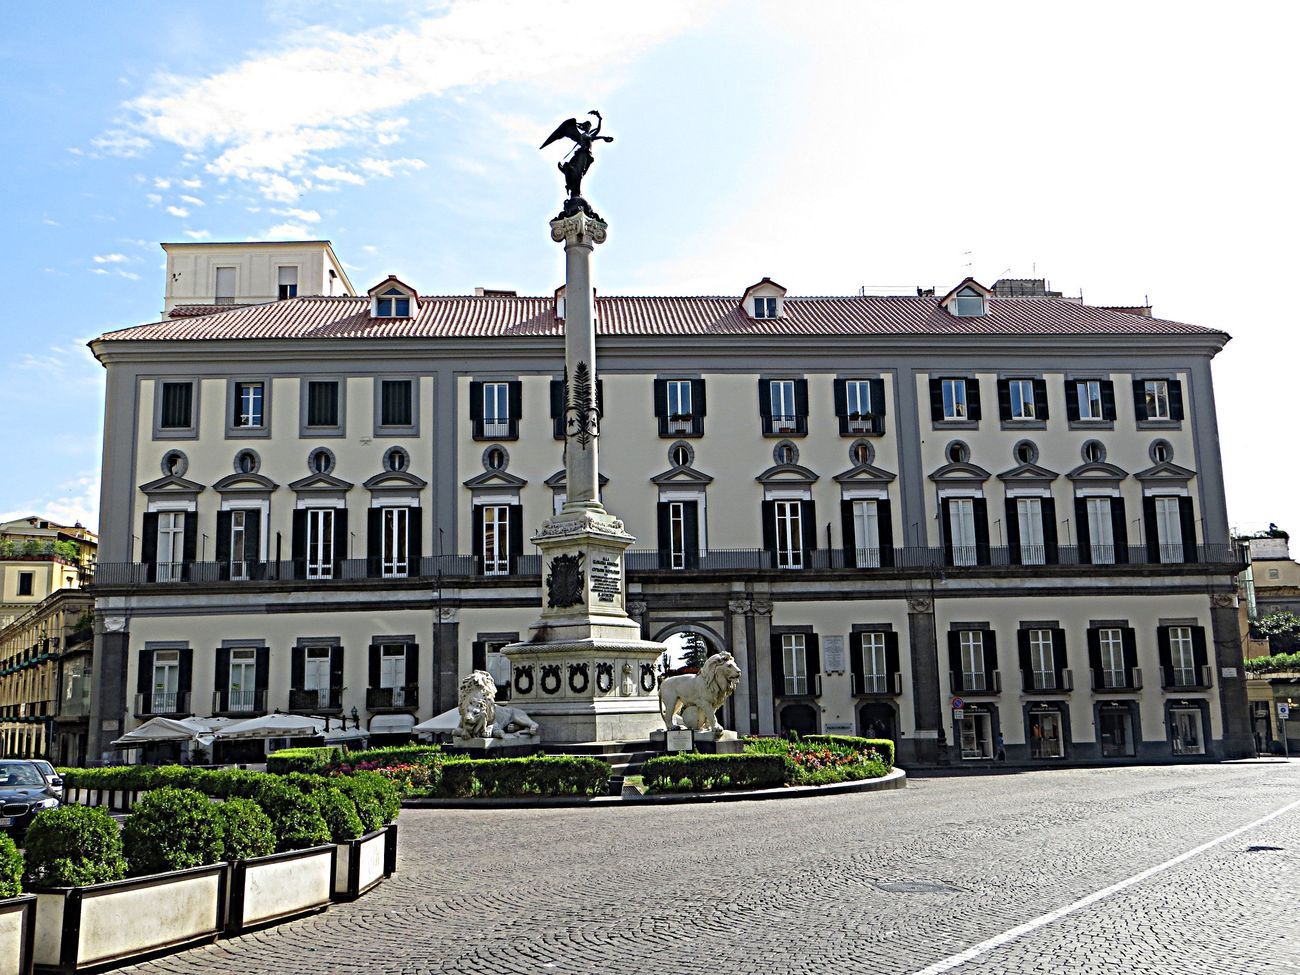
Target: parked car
<point>51,776</point>
<point>23,793</point>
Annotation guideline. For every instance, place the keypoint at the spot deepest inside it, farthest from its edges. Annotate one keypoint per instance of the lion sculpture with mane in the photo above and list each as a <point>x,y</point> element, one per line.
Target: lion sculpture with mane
<point>698,696</point>
<point>482,717</point>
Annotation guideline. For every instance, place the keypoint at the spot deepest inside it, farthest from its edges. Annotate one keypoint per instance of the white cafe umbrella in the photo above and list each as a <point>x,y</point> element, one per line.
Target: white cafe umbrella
<point>273,726</point>
<point>162,729</point>
<point>447,721</point>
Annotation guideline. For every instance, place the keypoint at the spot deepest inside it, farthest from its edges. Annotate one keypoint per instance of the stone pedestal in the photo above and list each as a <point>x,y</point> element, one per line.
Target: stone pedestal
<point>514,746</point>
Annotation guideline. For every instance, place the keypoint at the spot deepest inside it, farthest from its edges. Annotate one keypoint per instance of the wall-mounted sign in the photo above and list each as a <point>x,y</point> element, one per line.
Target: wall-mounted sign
<point>833,654</point>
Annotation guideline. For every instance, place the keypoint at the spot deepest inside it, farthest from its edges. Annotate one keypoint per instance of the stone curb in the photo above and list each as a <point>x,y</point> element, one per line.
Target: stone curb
<point>896,779</point>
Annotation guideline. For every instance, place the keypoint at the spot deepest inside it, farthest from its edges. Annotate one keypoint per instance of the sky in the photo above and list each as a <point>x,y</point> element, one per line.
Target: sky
<point>1126,152</point>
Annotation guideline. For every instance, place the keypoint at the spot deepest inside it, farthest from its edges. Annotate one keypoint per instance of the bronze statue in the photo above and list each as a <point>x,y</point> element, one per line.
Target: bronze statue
<point>579,161</point>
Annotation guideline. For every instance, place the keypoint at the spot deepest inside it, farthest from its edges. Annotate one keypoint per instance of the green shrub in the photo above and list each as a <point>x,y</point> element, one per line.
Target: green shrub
<point>693,772</point>
<point>245,830</point>
<point>385,792</point>
<point>295,818</point>
<point>171,829</point>
<point>881,746</point>
<point>315,760</point>
<point>393,755</point>
<point>11,867</point>
<point>339,813</point>
<point>547,775</point>
<point>365,799</point>
<point>73,846</point>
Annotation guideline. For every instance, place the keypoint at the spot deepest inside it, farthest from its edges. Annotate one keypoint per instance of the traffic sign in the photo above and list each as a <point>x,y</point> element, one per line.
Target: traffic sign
<point>958,715</point>
<point>958,704</point>
<point>1283,711</point>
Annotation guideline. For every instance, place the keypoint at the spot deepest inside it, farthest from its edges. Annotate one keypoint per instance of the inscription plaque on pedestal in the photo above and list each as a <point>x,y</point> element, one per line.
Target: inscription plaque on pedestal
<point>606,579</point>
<point>680,740</point>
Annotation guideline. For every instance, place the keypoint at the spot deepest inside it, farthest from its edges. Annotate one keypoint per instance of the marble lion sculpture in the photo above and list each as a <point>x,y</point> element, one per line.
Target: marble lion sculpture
<point>482,717</point>
<point>699,695</point>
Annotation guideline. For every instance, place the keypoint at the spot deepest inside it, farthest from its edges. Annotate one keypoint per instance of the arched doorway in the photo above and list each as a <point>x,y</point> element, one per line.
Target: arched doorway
<point>689,645</point>
<point>877,720</point>
<point>800,719</point>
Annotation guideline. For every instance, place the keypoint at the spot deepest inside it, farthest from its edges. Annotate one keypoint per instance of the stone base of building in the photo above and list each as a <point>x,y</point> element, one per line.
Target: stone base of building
<point>512,747</point>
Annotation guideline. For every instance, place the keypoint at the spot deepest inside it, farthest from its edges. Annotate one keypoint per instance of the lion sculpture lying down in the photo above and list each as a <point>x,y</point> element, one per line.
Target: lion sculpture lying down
<point>482,717</point>
<point>699,695</point>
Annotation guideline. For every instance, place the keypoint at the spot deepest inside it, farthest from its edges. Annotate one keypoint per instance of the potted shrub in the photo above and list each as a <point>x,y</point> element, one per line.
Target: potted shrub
<point>17,912</point>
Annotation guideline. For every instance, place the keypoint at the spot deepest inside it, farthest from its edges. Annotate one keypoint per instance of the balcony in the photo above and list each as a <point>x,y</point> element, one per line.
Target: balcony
<point>316,700</point>
<point>405,698</point>
<point>237,704</point>
<point>1116,681</point>
<point>156,705</point>
<point>977,684</point>
<point>877,685</point>
<point>1187,678</point>
<point>1045,682</point>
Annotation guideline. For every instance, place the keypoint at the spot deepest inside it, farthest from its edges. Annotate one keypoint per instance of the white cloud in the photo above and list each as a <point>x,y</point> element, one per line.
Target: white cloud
<point>334,174</point>
<point>129,275</point>
<point>98,270</point>
<point>178,211</point>
<point>192,201</point>
<point>388,167</point>
<point>153,198</point>
<point>306,216</point>
<point>192,184</point>
<point>370,248</point>
<point>162,184</point>
<point>197,234</point>
<point>49,223</point>
<point>120,143</point>
<point>287,231</point>
<point>110,258</point>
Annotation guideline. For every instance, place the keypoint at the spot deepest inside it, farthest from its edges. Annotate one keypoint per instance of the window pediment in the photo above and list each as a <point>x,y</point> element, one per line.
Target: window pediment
<point>319,483</point>
<point>1167,472</point>
<point>960,474</point>
<point>389,480</point>
<point>245,484</point>
<point>788,474</point>
<point>865,474</point>
<point>1028,474</point>
<point>495,479</point>
<point>1099,473</point>
<point>172,484</point>
<point>682,475</point>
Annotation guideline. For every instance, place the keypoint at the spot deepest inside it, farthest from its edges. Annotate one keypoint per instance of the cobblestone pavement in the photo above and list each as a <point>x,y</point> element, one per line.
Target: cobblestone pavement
<point>891,882</point>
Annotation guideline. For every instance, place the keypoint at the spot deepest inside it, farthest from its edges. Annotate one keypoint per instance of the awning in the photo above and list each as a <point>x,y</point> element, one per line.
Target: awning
<point>337,736</point>
<point>161,729</point>
<point>447,721</point>
<point>274,726</point>
<point>392,724</point>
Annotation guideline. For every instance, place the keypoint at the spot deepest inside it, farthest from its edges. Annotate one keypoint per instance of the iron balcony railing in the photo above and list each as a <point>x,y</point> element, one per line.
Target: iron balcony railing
<point>1186,678</point>
<point>975,682</point>
<point>1045,681</point>
<point>158,703</point>
<point>406,698</point>
<point>315,700</point>
<point>889,684</point>
<point>239,702</point>
<point>1125,679</point>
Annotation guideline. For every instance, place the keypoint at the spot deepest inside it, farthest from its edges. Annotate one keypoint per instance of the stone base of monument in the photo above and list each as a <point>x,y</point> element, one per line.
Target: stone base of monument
<point>704,742</point>
<point>513,746</point>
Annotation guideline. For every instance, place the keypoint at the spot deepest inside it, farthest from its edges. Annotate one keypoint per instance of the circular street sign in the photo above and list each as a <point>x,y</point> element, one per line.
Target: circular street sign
<point>958,704</point>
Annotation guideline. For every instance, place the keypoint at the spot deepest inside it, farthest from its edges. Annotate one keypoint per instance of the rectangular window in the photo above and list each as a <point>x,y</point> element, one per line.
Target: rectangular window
<point>177,403</point>
<point>681,417</point>
<point>238,538</point>
<point>1029,517</point>
<point>1088,392</point>
<point>171,546</point>
<point>225,288</point>
<point>248,405</point>
<point>765,307</point>
<point>857,400</point>
<point>1169,530</point>
<point>320,543</point>
<point>316,675</point>
<point>287,282</point>
<point>954,399</point>
<point>794,661</point>
<point>1022,399</point>
<point>166,682</point>
<point>392,672</point>
<point>243,680</point>
<point>1182,657</point>
<point>677,534</point>
<point>866,533</point>
<point>875,664</point>
<point>496,410</point>
<point>961,531</point>
<point>394,543</point>
<point>395,403</point>
<point>785,416</point>
<point>1042,661</point>
<point>1185,730</point>
<point>1157,399</point>
<point>26,583</point>
<point>496,539</point>
<point>1113,671</point>
<point>789,535</point>
<point>1101,538</point>
<point>971,643</point>
<point>393,303</point>
<point>323,403</point>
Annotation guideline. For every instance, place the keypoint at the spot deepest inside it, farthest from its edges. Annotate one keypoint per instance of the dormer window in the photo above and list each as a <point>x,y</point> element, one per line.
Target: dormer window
<point>763,300</point>
<point>969,304</point>
<point>765,307</point>
<point>393,304</point>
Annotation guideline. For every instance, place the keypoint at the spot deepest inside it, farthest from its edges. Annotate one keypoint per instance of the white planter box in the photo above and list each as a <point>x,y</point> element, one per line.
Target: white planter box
<point>81,927</point>
<point>360,865</point>
<point>17,933</point>
<point>275,887</point>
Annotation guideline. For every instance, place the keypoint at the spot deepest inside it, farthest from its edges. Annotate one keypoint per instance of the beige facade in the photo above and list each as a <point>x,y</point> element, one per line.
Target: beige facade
<point>39,558</point>
<point>217,273</point>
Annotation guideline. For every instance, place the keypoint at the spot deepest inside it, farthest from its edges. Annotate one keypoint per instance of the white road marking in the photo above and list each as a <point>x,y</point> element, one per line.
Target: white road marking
<point>997,941</point>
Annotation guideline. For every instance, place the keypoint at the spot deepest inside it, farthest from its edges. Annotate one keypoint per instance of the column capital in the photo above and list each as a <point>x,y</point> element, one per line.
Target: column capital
<point>579,230</point>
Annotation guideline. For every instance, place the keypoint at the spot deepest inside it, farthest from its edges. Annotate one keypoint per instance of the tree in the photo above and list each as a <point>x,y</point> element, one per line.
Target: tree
<point>1282,630</point>
<point>694,650</point>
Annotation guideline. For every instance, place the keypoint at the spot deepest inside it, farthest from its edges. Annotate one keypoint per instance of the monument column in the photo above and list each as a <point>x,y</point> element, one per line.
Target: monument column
<point>580,234</point>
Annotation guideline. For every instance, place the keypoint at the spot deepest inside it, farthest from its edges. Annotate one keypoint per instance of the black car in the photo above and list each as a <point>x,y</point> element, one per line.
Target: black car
<point>23,793</point>
<point>51,776</point>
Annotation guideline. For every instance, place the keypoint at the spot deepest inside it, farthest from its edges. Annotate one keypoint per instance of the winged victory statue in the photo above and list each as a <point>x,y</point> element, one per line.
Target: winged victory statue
<point>584,134</point>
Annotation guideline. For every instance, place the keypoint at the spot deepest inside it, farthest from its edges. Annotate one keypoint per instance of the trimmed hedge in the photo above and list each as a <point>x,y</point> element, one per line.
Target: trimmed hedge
<point>550,775</point>
<point>312,760</point>
<point>171,829</point>
<point>72,846</point>
<point>378,800</point>
<point>295,817</point>
<point>705,773</point>
<point>394,755</point>
<point>339,813</point>
<point>882,746</point>
<point>245,830</point>
<point>11,867</point>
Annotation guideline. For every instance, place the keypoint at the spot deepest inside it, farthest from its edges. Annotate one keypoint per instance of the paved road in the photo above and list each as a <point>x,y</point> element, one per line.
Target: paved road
<point>895,882</point>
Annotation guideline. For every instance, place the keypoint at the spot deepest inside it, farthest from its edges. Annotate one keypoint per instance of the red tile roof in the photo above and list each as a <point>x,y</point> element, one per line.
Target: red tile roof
<point>472,316</point>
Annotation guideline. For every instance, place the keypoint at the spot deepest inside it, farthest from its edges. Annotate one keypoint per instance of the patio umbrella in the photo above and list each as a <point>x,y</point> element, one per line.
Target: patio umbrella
<point>162,729</point>
<point>447,721</point>
<point>273,726</point>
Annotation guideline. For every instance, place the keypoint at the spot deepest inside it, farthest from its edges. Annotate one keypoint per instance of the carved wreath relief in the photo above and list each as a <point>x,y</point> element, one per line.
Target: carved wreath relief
<point>565,581</point>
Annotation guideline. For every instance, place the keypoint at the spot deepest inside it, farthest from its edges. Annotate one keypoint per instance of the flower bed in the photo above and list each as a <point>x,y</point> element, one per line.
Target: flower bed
<point>707,773</point>
<point>770,763</point>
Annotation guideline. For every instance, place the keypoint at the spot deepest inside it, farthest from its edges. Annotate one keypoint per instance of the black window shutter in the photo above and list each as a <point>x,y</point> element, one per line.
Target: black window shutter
<point>954,661</point>
<point>841,397</point>
<point>476,528</point>
<point>374,540</point>
<point>885,521</point>
<point>661,397</point>
<point>1153,533</point>
<point>1040,399</point>
<point>185,678</point>
<point>149,542</point>
<point>191,542</point>
<point>857,665</point>
<point>515,534</point>
<point>813,661</point>
<point>297,667</point>
<point>1013,530</point>
<point>765,398</point>
<point>1140,399</point>
<point>414,538</point>
<point>801,406</point>
<point>663,518</point>
<point>698,403</point>
<point>981,511</point>
<point>847,536</point>
<point>600,397</point>
<point>1119,529</point>
<point>221,678</point>
<point>1081,531</point>
<point>298,543</point>
<point>891,652</point>
<point>769,527</point>
<point>478,655</point>
<point>1107,399</point>
<point>144,680</point>
<point>1094,655</point>
<point>412,664</point>
<point>557,408</point>
<point>778,667</point>
<point>224,521</point>
<point>476,401</point>
<point>1129,637</point>
<point>1187,528</point>
<point>1051,553</point>
<point>1175,399</point>
<point>1166,656</point>
<point>1071,400</point>
<point>1200,654</point>
<point>375,669</point>
<point>336,672</point>
<point>1004,398</point>
<point>1026,662</point>
<point>808,522</point>
<point>1058,656</point>
<point>691,530</point>
<point>515,398</point>
<point>973,410</point>
<point>945,528</point>
<point>252,537</point>
<point>990,640</point>
<point>878,405</point>
<point>262,675</point>
<point>340,538</point>
<point>936,400</point>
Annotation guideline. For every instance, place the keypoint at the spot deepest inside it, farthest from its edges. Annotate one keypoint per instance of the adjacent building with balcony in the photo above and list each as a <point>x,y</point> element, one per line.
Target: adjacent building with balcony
<point>939,519</point>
